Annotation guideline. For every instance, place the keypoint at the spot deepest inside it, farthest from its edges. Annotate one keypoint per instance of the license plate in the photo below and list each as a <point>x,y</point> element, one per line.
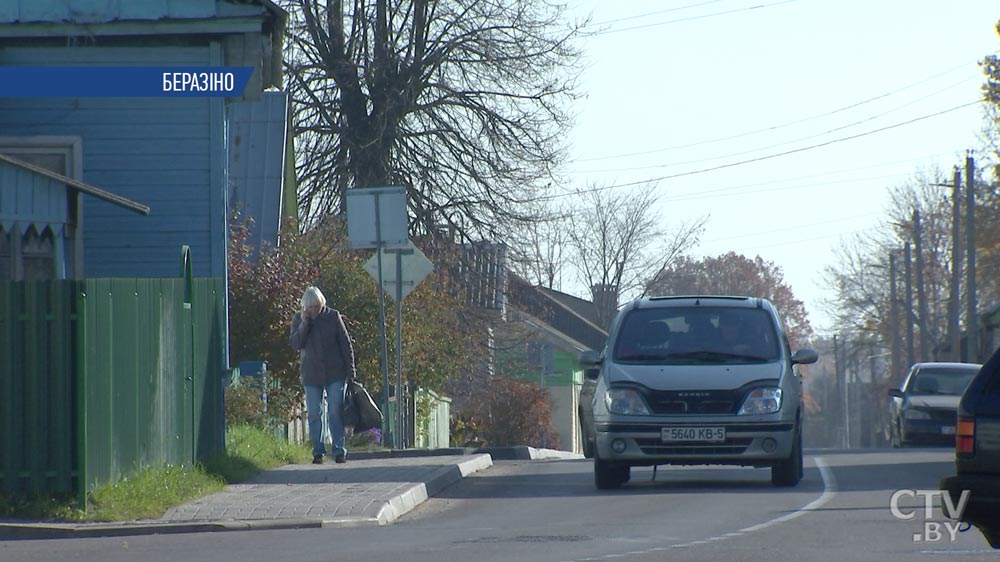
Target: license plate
<point>948,430</point>
<point>711,434</point>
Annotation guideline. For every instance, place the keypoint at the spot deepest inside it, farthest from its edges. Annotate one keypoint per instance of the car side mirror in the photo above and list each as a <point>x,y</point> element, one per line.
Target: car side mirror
<point>589,359</point>
<point>895,393</point>
<point>805,357</point>
<point>591,374</point>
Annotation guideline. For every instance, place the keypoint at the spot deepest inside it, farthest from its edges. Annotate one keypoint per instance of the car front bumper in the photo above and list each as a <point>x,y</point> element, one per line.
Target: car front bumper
<point>928,431</point>
<point>983,507</point>
<point>746,443</point>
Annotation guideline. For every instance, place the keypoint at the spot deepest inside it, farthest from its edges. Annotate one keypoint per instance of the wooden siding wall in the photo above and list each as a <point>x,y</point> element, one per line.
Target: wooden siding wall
<point>166,153</point>
<point>30,199</point>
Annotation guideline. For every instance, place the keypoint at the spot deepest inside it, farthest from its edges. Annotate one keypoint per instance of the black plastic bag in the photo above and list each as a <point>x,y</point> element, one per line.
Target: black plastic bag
<point>360,410</point>
<point>349,414</point>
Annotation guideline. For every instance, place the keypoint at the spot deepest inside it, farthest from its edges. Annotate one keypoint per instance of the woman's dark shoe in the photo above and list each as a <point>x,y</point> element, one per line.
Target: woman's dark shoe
<point>317,459</point>
<point>341,459</point>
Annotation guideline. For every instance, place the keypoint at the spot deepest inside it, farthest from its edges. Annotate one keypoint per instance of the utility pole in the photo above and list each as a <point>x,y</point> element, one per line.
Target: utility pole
<point>971,321</point>
<point>955,293</point>
<point>911,354</point>
<point>841,410</point>
<point>894,368</point>
<point>921,293</point>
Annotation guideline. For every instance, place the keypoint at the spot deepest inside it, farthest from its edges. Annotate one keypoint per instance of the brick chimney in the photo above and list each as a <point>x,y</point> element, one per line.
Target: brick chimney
<point>605,302</point>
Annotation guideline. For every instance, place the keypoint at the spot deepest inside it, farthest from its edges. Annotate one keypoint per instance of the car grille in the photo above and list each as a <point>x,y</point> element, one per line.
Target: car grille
<point>654,446</point>
<point>705,402</point>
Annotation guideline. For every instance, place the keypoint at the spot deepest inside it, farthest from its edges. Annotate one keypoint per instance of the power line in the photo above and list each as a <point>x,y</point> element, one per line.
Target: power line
<point>753,160</point>
<point>735,189</point>
<point>647,14</point>
<point>770,146</point>
<point>782,125</point>
<point>692,18</point>
<point>744,235</point>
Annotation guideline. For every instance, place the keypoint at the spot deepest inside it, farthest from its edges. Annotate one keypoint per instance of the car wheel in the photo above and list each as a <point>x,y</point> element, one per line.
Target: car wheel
<point>588,441</point>
<point>788,472</point>
<point>609,475</point>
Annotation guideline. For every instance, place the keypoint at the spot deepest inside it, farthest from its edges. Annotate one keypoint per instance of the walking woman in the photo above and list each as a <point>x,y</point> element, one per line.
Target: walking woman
<point>326,366</point>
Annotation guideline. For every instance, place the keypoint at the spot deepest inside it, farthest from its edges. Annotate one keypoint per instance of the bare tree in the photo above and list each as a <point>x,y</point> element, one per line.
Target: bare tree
<point>861,276</point>
<point>620,244</point>
<point>463,102</point>
<point>861,283</point>
<point>539,249</point>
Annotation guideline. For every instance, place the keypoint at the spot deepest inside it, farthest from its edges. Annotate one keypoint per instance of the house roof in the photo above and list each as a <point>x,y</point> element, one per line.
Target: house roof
<point>583,308</point>
<point>78,185</point>
<point>258,134</point>
<point>37,18</point>
<point>546,306</point>
<point>88,13</point>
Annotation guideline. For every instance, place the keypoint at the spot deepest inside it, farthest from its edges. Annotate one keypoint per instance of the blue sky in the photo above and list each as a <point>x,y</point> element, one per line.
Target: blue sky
<point>786,122</point>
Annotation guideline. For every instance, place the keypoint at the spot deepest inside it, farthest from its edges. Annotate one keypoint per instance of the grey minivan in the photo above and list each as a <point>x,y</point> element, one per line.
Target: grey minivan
<point>695,380</point>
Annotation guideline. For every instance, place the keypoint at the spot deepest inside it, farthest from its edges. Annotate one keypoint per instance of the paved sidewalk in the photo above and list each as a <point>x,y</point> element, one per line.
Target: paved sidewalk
<point>370,489</point>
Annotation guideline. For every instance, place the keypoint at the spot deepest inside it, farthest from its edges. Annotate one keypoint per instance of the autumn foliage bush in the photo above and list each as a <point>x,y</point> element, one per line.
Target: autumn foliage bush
<point>265,286</point>
<point>440,339</point>
<point>503,411</point>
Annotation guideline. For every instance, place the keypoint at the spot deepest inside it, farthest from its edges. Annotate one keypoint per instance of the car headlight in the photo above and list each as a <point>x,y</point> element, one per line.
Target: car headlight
<point>912,414</point>
<point>625,401</point>
<point>761,401</point>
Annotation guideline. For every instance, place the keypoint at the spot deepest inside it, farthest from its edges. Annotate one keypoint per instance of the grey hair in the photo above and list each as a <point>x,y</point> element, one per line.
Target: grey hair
<point>313,296</point>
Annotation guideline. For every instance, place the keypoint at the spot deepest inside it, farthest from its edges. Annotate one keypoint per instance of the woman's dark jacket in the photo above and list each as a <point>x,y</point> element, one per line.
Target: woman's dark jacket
<point>325,351</point>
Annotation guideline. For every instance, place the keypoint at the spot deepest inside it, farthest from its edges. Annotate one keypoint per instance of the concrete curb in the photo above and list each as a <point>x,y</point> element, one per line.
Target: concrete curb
<point>382,511</point>
<point>441,479</point>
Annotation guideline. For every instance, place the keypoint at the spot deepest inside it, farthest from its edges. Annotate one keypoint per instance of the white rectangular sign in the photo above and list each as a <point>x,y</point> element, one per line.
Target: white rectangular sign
<point>390,228</point>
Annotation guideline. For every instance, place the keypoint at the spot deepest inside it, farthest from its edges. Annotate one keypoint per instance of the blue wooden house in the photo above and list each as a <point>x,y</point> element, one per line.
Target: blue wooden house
<point>170,155</point>
<point>104,192</point>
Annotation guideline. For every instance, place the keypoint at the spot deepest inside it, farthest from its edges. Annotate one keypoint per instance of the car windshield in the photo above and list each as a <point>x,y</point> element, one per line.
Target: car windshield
<point>697,335</point>
<point>948,382</point>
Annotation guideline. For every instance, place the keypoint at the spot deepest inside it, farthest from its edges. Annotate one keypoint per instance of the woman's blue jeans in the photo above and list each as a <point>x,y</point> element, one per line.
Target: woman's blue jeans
<point>318,423</point>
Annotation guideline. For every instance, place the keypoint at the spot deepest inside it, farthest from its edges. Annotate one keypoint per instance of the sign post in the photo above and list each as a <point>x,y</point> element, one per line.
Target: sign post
<point>376,218</point>
<point>412,266</point>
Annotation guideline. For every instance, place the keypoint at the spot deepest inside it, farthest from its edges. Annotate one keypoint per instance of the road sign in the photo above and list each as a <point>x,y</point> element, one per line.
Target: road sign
<point>376,216</point>
<point>412,268</point>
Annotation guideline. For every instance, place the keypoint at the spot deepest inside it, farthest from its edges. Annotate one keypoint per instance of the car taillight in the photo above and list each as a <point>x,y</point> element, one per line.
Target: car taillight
<point>965,437</point>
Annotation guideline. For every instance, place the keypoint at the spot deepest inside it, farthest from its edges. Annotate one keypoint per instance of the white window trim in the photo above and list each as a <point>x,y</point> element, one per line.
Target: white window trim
<point>71,147</point>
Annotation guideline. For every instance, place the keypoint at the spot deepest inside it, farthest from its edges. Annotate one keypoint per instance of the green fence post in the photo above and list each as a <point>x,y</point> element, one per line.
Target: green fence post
<point>81,399</point>
<point>187,276</point>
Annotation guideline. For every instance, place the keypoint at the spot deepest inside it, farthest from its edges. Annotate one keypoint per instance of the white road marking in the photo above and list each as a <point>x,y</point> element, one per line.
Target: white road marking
<point>829,490</point>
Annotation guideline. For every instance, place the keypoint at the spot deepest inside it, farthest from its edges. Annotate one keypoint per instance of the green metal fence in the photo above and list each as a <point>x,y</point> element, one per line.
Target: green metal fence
<point>104,376</point>
<point>37,387</point>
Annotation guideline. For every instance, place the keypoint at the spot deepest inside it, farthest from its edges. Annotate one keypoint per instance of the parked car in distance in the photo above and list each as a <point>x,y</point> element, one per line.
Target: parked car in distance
<point>694,380</point>
<point>977,453</point>
<point>924,408</point>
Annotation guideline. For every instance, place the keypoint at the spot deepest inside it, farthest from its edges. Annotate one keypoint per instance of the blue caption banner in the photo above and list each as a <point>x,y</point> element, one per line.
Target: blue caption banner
<point>123,81</point>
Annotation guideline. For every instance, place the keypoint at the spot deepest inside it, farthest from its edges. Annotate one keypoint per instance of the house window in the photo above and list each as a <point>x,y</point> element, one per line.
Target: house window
<point>38,255</point>
<point>34,255</point>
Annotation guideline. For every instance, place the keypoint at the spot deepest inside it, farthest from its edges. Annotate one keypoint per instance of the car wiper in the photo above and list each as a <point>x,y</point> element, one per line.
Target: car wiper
<point>700,355</point>
<point>642,357</point>
<point>749,357</point>
<point>715,356</point>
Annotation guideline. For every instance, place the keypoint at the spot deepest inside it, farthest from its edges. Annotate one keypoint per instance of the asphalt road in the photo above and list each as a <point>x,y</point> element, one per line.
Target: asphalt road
<point>550,511</point>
